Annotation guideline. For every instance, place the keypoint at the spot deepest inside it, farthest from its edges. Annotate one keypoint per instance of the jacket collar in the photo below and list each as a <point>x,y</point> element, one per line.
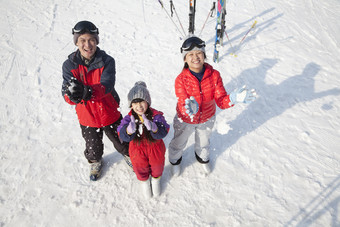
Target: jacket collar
<point>97,60</point>
<point>207,73</point>
<point>76,58</point>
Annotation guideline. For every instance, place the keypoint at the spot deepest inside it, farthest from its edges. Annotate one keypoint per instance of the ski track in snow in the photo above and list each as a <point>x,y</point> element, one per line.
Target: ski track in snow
<point>276,162</point>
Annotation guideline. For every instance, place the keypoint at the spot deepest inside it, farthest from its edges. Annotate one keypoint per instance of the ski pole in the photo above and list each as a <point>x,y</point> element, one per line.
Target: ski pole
<point>209,14</point>
<point>232,48</point>
<point>252,27</point>
<point>172,7</point>
<point>167,13</point>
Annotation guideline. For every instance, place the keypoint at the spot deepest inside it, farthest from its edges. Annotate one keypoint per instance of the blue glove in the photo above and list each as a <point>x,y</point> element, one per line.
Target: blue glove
<point>242,95</point>
<point>191,106</point>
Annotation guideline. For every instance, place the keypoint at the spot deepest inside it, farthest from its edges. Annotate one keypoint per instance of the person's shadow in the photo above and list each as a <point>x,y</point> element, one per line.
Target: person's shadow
<point>272,101</point>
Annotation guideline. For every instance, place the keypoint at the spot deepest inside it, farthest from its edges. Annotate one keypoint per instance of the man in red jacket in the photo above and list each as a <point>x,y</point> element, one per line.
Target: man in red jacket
<point>199,88</point>
<point>89,84</point>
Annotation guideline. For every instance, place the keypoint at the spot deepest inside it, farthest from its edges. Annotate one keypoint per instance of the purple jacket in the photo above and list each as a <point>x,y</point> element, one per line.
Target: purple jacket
<point>158,118</point>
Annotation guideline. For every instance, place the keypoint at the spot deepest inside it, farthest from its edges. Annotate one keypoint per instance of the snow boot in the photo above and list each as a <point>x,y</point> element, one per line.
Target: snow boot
<point>206,167</point>
<point>176,167</point>
<point>95,170</point>
<point>176,170</point>
<point>205,164</point>
<point>156,186</point>
<point>146,188</point>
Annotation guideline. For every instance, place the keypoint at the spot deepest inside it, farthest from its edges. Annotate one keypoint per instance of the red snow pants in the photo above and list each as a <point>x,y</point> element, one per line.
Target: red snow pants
<point>147,158</point>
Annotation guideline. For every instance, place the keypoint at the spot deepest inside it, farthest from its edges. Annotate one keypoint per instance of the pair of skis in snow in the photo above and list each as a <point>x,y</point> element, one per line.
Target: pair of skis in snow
<point>220,24</point>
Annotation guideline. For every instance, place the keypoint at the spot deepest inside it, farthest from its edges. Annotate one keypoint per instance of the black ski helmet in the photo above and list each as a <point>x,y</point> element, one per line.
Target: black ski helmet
<point>83,27</point>
<point>192,43</point>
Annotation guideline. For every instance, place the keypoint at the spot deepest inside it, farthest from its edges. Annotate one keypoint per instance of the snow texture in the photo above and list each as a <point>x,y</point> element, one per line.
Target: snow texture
<point>275,162</point>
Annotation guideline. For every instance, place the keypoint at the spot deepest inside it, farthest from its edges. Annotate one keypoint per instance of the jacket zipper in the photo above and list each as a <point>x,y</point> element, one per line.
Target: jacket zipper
<point>201,99</point>
<point>83,79</point>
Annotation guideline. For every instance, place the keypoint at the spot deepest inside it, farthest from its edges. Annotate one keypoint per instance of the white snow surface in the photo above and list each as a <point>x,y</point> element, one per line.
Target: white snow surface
<point>275,162</point>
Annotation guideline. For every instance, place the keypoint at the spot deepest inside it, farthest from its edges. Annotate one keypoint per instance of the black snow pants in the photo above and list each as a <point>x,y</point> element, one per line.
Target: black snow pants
<point>94,141</point>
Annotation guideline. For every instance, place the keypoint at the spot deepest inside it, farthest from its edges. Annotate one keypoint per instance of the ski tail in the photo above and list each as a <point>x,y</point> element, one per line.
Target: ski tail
<point>192,11</point>
<point>220,28</point>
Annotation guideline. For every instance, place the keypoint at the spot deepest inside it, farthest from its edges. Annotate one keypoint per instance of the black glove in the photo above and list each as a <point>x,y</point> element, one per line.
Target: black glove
<point>77,91</point>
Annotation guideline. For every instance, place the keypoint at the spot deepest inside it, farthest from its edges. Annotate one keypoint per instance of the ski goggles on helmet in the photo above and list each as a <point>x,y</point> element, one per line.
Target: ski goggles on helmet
<point>84,27</point>
<point>191,43</point>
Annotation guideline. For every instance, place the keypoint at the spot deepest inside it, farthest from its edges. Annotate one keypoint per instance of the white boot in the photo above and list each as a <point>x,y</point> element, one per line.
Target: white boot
<point>146,188</point>
<point>176,170</point>
<point>156,186</point>
<point>206,167</point>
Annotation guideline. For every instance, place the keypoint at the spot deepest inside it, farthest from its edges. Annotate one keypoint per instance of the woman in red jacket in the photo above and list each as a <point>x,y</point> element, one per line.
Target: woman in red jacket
<point>88,83</point>
<point>199,88</point>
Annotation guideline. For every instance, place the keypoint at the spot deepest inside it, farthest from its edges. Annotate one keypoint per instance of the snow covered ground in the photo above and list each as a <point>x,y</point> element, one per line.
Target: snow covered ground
<point>276,162</point>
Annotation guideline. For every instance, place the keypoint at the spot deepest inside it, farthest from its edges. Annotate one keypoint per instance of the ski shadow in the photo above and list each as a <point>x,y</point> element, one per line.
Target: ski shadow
<point>272,100</point>
<point>251,20</point>
<point>260,27</point>
<point>325,201</point>
<point>243,24</point>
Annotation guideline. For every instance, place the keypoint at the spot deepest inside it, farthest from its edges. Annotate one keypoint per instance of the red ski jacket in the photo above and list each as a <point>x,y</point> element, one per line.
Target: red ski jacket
<point>208,93</point>
<point>102,109</point>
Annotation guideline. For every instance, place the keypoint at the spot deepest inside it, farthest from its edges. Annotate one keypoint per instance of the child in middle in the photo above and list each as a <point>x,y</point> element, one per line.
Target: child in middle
<point>145,127</point>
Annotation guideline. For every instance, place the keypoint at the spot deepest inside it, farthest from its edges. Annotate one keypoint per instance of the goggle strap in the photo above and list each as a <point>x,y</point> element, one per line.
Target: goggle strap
<point>84,30</point>
<point>192,46</point>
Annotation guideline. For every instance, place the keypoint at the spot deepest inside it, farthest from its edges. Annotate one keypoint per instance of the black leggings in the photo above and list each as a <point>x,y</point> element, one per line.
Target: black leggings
<point>94,141</point>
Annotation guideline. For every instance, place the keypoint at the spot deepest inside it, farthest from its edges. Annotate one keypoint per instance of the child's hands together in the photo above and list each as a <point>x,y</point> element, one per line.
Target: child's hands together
<point>150,125</point>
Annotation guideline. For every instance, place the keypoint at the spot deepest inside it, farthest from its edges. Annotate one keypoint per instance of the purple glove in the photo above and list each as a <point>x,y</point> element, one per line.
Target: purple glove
<point>132,126</point>
<point>150,125</point>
